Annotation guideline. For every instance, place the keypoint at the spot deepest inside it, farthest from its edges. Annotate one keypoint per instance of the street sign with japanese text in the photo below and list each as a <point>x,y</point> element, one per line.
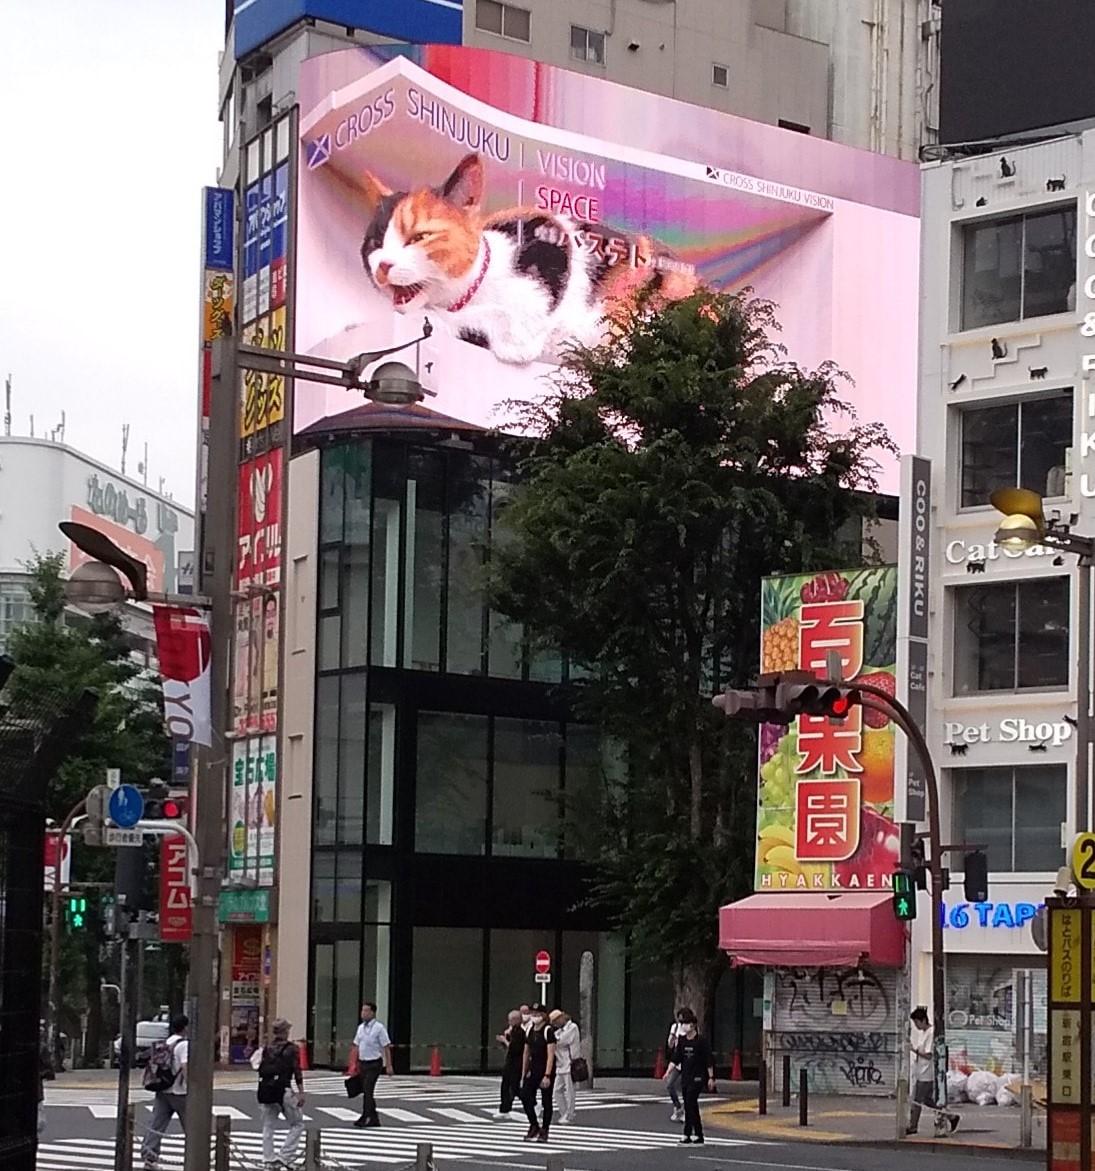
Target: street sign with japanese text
<point>122,837</point>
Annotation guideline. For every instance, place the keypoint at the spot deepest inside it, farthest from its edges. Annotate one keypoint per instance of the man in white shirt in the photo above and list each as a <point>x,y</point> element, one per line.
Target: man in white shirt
<point>568,1045</point>
<point>922,1069</point>
<point>172,1101</point>
<point>374,1053</point>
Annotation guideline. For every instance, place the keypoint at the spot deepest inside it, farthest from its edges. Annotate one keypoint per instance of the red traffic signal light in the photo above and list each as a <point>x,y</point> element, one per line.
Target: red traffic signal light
<point>174,808</point>
<point>815,699</point>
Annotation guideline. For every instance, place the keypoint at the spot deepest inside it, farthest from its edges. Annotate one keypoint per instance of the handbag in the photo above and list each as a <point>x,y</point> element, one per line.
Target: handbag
<point>354,1083</point>
<point>579,1070</point>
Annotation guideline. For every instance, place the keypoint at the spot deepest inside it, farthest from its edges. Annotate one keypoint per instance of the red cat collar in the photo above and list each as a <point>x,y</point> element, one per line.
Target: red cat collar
<point>473,288</point>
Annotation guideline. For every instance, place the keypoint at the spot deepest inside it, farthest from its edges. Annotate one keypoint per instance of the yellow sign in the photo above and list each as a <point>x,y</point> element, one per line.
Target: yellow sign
<point>1064,1087</point>
<point>262,396</point>
<point>1083,860</point>
<point>1064,955</point>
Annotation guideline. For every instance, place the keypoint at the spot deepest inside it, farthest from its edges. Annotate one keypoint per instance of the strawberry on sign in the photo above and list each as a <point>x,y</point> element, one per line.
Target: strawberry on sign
<point>825,801</point>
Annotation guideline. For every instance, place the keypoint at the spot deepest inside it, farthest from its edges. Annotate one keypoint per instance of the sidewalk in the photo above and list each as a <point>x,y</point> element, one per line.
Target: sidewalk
<point>873,1122</point>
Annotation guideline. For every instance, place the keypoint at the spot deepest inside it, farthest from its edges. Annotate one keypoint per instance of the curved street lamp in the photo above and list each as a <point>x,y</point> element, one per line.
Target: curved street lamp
<point>1024,526</point>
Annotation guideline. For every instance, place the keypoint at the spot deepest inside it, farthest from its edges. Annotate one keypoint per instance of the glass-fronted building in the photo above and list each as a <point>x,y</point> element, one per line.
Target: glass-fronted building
<point>449,794</point>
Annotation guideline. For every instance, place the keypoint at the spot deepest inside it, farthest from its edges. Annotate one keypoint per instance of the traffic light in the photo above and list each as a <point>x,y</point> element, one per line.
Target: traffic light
<point>160,804</point>
<point>976,879</point>
<point>815,699</point>
<point>75,913</point>
<point>904,895</point>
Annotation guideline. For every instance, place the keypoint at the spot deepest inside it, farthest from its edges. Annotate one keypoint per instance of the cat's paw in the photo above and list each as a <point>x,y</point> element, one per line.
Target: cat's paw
<point>518,351</point>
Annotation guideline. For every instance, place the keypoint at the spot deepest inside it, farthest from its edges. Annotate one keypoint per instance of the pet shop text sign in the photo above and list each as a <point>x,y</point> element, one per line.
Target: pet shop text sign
<point>1012,730</point>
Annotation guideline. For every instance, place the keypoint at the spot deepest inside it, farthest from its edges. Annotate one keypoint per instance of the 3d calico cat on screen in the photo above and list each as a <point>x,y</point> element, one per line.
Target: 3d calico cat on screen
<point>521,282</point>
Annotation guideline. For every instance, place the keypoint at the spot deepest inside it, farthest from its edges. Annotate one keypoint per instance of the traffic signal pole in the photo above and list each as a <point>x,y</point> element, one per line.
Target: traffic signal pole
<point>881,701</point>
<point>55,929</point>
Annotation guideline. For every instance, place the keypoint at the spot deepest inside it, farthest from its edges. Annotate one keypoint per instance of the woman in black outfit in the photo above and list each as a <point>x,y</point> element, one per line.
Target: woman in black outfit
<point>693,1058</point>
<point>538,1073</point>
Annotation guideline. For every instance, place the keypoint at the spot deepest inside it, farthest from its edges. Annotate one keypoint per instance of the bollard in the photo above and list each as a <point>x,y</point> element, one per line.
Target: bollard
<point>1026,1102</point>
<point>423,1157</point>
<point>902,1106</point>
<point>786,1080</point>
<point>802,1094</point>
<point>222,1134</point>
<point>555,1163</point>
<point>762,1088</point>
<point>312,1150</point>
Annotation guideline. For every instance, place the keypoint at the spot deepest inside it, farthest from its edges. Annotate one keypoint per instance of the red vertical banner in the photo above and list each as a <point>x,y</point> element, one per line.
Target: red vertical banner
<point>175,908</point>
<point>258,533</point>
<point>183,645</point>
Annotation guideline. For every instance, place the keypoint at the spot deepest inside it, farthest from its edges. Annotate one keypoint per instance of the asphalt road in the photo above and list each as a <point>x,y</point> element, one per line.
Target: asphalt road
<point>614,1131</point>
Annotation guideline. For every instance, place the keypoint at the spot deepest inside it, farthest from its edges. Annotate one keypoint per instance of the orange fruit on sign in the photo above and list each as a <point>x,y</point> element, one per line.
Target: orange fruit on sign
<point>876,758</point>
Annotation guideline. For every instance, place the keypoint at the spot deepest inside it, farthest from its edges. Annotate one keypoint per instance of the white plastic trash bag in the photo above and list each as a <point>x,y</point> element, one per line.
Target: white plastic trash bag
<point>956,1085</point>
<point>981,1087</point>
<point>1007,1092</point>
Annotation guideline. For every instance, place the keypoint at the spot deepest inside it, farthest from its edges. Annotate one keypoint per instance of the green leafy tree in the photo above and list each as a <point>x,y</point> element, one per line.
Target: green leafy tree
<point>56,660</point>
<point>676,465</point>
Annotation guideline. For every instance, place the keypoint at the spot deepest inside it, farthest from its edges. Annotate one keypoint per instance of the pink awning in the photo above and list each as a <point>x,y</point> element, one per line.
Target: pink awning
<point>812,930</point>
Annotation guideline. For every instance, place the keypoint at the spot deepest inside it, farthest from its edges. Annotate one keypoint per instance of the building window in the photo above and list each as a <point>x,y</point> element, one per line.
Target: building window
<point>527,768</point>
<point>586,45</point>
<point>1016,813</point>
<point>1011,637</point>
<point>451,784</point>
<point>1025,443</point>
<point>507,20</point>
<point>720,76</point>
<point>1019,267</point>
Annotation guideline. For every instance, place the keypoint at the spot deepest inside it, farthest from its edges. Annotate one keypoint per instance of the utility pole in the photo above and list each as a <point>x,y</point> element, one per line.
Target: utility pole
<point>214,572</point>
<point>55,928</point>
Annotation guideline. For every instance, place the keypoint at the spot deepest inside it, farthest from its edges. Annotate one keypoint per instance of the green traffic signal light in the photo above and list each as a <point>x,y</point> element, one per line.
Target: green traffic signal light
<point>76,912</point>
<point>904,895</point>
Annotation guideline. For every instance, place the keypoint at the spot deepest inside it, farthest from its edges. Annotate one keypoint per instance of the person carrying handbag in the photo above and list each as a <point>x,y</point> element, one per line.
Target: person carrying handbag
<point>278,1067</point>
<point>568,1051</point>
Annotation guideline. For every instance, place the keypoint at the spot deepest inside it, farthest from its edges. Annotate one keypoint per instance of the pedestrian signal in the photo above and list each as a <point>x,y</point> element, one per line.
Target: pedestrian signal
<point>904,895</point>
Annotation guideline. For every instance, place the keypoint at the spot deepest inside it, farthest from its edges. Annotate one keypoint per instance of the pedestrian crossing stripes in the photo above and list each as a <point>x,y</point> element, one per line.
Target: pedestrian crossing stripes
<point>398,1146</point>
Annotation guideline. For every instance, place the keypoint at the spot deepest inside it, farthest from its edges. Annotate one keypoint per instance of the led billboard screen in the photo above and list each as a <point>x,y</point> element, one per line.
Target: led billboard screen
<point>517,206</point>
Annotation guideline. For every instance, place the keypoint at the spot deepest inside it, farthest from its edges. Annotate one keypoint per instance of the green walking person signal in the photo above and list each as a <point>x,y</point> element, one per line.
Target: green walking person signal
<point>904,895</point>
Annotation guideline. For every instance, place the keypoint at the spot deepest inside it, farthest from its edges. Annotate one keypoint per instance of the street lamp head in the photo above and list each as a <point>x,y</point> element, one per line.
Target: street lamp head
<point>1019,502</point>
<point>394,384</point>
<point>94,588</point>
<point>100,547</point>
<point>1018,533</point>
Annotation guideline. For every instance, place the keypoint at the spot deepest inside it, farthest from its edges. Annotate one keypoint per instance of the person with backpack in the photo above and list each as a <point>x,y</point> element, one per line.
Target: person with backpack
<point>165,1076</point>
<point>278,1068</point>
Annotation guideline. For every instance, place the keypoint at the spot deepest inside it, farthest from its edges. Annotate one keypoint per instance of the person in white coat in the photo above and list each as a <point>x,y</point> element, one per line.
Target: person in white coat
<point>568,1046</point>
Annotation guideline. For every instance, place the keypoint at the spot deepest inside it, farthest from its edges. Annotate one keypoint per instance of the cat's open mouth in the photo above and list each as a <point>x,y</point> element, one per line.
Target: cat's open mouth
<point>404,294</point>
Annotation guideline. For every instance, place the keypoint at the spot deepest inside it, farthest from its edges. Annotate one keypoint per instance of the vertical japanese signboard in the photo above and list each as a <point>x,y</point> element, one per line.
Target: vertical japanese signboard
<point>1068,1049</point>
<point>825,816</point>
<point>912,632</point>
<point>175,908</point>
<point>253,810</point>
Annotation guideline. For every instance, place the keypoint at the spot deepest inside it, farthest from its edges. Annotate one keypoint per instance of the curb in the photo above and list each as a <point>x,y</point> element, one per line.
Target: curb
<point>748,1124</point>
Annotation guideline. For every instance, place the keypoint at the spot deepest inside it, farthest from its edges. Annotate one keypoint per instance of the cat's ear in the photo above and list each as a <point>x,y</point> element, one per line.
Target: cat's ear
<point>374,190</point>
<point>464,187</point>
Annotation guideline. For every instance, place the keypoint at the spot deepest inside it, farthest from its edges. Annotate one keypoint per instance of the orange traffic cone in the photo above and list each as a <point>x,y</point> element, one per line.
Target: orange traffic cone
<point>735,1066</point>
<point>435,1062</point>
<point>659,1064</point>
<point>303,1046</point>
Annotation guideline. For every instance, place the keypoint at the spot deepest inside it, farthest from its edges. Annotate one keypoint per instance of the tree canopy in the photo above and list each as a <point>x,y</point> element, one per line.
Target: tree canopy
<point>675,466</point>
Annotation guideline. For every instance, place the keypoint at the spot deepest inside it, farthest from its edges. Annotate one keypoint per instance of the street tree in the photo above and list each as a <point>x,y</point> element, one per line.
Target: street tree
<point>675,466</point>
<point>57,657</point>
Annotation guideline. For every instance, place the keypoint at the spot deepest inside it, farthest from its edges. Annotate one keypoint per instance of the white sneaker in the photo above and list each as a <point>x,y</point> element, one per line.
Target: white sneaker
<point>501,1114</point>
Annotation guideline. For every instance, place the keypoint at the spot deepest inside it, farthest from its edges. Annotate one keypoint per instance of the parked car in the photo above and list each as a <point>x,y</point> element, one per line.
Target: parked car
<point>148,1033</point>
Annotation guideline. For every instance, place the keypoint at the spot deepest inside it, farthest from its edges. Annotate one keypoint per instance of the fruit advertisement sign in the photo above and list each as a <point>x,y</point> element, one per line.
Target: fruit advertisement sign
<point>825,801</point>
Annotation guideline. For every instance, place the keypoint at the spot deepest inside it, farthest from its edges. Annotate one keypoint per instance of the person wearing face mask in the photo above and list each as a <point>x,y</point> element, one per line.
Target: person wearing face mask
<point>697,1065</point>
<point>512,1040</point>
<point>538,1074</point>
<point>676,1030</point>
<point>526,1017</point>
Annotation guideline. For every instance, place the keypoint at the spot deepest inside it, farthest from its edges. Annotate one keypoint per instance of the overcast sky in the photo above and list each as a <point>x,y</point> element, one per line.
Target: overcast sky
<point>112,131</point>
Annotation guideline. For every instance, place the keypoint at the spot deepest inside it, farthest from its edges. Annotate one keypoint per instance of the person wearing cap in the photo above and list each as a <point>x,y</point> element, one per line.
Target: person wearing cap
<point>568,1043</point>
<point>921,1069</point>
<point>281,1061</point>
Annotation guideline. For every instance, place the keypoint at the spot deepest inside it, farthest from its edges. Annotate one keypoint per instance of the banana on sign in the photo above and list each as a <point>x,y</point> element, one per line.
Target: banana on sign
<point>825,798</point>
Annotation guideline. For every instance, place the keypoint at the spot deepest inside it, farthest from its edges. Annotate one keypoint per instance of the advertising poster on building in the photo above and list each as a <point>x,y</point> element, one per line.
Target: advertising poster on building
<point>258,529</point>
<point>825,810</point>
<point>521,208</point>
<point>246,992</point>
<point>253,811</point>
